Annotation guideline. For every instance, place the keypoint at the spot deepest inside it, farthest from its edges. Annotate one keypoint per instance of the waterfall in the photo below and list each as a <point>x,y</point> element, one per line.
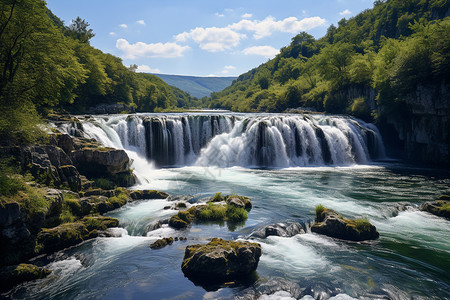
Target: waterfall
<point>248,140</point>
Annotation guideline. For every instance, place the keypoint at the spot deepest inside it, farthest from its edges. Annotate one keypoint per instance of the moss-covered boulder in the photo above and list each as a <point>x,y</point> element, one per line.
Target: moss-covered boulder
<point>69,234</point>
<point>211,212</point>
<point>14,275</point>
<point>148,194</point>
<point>330,223</point>
<point>220,260</point>
<point>161,243</point>
<point>440,207</point>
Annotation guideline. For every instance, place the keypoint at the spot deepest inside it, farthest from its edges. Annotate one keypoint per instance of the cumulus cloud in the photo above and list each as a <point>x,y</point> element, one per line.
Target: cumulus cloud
<point>112,33</point>
<point>345,12</point>
<point>269,25</point>
<point>266,51</point>
<point>246,16</point>
<point>215,39</point>
<point>212,39</point>
<point>147,69</point>
<point>141,22</point>
<point>123,26</point>
<point>140,49</point>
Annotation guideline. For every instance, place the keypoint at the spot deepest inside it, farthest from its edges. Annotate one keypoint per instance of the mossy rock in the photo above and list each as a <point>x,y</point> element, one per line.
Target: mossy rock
<point>161,243</point>
<point>210,212</point>
<point>220,261</point>
<point>440,208</point>
<point>99,222</point>
<point>14,275</point>
<point>69,234</point>
<point>148,194</point>
<point>330,223</point>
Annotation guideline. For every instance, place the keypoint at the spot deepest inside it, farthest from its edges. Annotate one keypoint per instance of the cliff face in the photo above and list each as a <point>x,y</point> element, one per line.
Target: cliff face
<point>425,130</point>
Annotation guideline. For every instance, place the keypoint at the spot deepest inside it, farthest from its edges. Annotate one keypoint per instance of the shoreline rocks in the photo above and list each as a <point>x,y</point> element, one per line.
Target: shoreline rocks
<point>219,261</point>
<point>13,275</point>
<point>330,223</point>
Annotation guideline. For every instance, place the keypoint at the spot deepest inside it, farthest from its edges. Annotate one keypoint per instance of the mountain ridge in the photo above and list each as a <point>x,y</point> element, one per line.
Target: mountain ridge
<point>197,86</point>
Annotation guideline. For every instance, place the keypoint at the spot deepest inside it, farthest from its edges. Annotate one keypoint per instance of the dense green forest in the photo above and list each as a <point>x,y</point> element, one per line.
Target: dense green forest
<point>45,65</point>
<point>363,67</point>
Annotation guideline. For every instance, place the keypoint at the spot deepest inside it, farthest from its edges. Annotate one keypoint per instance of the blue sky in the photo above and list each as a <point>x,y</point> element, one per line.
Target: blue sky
<point>202,37</point>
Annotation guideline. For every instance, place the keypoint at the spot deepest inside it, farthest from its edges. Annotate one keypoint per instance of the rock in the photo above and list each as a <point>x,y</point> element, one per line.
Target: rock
<point>99,192</point>
<point>55,204</point>
<point>181,220</point>
<point>330,223</point>
<point>100,161</point>
<point>9,214</point>
<point>14,275</point>
<point>69,234</point>
<point>161,243</point>
<point>236,202</point>
<point>279,229</point>
<point>69,174</point>
<point>64,141</point>
<point>148,194</point>
<point>220,261</point>
<point>440,208</point>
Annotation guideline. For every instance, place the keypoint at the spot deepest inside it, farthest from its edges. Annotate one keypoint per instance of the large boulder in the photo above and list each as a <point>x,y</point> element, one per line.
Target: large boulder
<point>13,275</point>
<point>330,223</point>
<point>440,208</point>
<point>220,260</point>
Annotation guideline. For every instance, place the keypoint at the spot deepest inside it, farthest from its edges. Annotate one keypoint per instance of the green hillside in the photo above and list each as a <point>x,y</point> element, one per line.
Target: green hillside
<point>197,86</point>
<point>365,66</point>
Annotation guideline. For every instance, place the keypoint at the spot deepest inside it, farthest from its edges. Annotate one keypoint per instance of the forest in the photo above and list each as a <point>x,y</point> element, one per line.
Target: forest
<point>46,65</point>
<point>365,66</point>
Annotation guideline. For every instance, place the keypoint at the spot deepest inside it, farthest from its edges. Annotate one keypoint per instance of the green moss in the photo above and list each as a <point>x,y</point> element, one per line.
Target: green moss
<point>13,275</point>
<point>320,209</point>
<point>361,224</point>
<point>104,183</point>
<point>217,197</point>
<point>212,212</point>
<point>99,222</point>
<point>235,214</point>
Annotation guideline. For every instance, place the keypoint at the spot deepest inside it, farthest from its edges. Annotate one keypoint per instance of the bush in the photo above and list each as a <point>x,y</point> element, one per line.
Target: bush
<point>104,184</point>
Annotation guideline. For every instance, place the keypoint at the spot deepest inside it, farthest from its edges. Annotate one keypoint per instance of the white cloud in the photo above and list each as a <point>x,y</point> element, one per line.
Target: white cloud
<point>345,12</point>
<point>147,69</point>
<point>246,16</point>
<point>123,26</point>
<point>219,15</point>
<point>140,49</point>
<point>227,69</point>
<point>112,33</point>
<point>266,51</point>
<point>269,25</point>
<point>212,39</point>
<point>141,22</point>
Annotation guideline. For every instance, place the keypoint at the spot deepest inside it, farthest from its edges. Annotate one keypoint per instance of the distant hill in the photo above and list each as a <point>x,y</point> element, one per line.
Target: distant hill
<point>197,86</point>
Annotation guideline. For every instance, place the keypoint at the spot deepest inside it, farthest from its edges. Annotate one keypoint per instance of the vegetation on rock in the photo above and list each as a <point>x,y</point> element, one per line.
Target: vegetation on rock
<point>13,275</point>
<point>440,207</point>
<point>332,224</point>
<point>220,260</point>
<point>214,211</point>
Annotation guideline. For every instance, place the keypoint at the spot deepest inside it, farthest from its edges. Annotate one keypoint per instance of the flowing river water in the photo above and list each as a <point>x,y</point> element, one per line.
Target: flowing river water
<point>286,164</point>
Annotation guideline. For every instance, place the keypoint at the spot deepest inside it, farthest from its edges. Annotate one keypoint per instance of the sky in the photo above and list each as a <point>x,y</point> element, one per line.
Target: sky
<point>202,37</point>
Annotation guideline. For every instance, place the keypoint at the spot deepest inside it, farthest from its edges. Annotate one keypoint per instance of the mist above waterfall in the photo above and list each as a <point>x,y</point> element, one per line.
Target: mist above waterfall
<point>247,140</point>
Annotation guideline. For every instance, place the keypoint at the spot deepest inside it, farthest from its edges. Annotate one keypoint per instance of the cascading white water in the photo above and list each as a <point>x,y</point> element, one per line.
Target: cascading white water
<point>248,140</point>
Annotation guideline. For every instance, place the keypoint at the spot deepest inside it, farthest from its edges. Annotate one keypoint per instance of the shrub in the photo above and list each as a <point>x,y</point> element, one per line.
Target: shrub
<point>236,214</point>
<point>104,184</point>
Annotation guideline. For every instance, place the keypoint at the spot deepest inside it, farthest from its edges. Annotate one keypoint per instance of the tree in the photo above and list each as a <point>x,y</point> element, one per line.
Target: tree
<point>78,29</point>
